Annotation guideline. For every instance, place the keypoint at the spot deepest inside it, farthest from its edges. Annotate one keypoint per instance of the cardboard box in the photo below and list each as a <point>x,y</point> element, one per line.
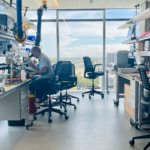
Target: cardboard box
<point>128,108</point>
<point>140,46</point>
<point>127,91</point>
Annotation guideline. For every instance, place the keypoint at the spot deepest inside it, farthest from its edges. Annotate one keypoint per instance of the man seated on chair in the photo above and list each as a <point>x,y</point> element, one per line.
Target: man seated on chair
<point>44,70</point>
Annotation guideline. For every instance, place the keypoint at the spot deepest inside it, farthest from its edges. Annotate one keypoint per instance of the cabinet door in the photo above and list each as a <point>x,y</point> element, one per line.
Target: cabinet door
<point>10,106</point>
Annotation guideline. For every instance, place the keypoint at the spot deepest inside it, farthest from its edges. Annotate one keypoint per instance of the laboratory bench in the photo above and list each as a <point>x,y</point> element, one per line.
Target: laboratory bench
<point>14,103</point>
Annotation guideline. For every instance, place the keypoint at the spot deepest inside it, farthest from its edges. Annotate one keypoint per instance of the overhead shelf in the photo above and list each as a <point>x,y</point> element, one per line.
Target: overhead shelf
<point>126,25</point>
<point>27,42</point>
<point>6,36</point>
<point>143,15</point>
<point>13,15</point>
<point>130,42</point>
<point>144,38</point>
<point>9,37</point>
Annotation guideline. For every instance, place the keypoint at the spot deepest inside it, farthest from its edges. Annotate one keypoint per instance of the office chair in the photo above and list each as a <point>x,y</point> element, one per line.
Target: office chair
<point>68,80</point>
<point>52,86</point>
<point>67,96</point>
<point>90,73</point>
<point>145,108</point>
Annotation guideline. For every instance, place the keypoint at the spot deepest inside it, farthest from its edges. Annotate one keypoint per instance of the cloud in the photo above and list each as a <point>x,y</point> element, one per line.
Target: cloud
<point>72,33</point>
<point>90,50</point>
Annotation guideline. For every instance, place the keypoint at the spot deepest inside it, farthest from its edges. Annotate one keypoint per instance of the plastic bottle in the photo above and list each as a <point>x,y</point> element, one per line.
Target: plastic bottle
<point>23,75</point>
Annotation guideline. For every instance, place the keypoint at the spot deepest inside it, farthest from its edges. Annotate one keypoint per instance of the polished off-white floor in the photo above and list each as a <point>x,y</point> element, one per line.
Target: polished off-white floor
<point>96,125</point>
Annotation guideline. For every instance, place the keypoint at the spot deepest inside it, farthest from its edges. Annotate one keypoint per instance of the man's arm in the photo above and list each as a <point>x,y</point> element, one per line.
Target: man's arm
<point>42,71</point>
<point>34,67</point>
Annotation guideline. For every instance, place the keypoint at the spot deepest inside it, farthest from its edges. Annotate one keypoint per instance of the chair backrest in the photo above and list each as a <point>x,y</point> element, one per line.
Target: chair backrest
<point>73,69</point>
<point>54,67</point>
<point>145,83</point>
<point>66,69</point>
<point>88,64</point>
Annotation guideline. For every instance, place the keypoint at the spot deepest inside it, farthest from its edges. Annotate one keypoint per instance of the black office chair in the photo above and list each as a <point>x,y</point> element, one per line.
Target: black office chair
<point>68,80</point>
<point>90,73</point>
<point>145,108</point>
<point>52,86</point>
<point>68,96</point>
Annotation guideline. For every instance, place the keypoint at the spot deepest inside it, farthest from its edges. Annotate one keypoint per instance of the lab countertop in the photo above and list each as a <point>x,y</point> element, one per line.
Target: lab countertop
<point>130,76</point>
<point>12,88</point>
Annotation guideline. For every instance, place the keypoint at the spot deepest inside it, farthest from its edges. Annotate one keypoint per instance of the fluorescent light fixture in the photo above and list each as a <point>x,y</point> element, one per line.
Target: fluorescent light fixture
<point>56,3</point>
<point>143,15</point>
<point>127,24</point>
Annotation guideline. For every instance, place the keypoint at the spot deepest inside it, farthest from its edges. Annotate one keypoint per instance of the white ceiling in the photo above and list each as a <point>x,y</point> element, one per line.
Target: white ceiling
<point>82,4</point>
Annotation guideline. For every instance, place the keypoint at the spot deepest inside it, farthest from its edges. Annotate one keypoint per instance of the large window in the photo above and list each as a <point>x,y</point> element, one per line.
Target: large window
<point>49,14</point>
<point>79,39</point>
<point>120,13</point>
<point>48,42</point>
<point>114,39</point>
<point>81,14</point>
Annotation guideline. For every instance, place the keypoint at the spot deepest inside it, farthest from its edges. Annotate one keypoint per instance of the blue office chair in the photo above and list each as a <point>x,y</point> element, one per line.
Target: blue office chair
<point>90,73</point>
<point>145,107</point>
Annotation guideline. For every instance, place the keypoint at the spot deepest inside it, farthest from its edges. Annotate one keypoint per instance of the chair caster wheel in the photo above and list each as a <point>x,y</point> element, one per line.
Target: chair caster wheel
<point>65,111</point>
<point>132,122</point>
<point>116,103</point>
<point>137,126</point>
<point>103,96</point>
<point>89,97</point>
<point>82,95</point>
<point>42,114</point>
<point>50,121</point>
<point>34,118</point>
<point>27,127</point>
<point>66,117</point>
<point>31,124</point>
<point>78,100</point>
<point>131,142</point>
<point>75,107</point>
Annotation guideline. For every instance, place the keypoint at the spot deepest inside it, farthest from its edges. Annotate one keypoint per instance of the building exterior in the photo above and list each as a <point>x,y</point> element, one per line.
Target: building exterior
<point>111,58</point>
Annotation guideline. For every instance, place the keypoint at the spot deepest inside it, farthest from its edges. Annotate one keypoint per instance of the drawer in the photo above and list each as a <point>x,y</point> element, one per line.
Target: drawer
<point>23,88</point>
<point>132,88</point>
<point>132,82</point>
<point>132,103</point>
<point>23,94</point>
<point>132,96</point>
<point>24,104</point>
<point>24,113</point>
<point>127,91</point>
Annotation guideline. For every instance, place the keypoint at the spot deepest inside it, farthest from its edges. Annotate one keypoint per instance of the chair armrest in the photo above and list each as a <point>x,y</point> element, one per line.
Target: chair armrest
<point>86,67</point>
<point>97,65</point>
<point>73,79</point>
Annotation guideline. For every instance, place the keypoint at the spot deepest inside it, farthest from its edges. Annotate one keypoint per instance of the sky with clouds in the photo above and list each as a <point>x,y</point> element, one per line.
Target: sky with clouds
<point>78,39</point>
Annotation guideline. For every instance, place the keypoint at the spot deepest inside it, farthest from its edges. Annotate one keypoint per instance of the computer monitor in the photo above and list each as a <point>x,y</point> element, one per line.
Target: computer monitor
<point>130,32</point>
<point>122,58</point>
